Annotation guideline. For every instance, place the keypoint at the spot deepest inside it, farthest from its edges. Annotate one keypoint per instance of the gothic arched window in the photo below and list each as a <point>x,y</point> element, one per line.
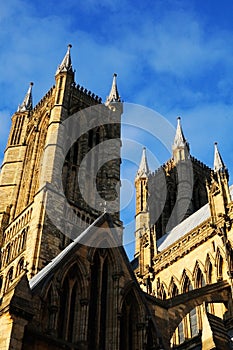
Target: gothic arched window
<point>129,320</point>
<point>209,272</point>
<point>23,239</point>
<point>174,290</point>
<point>162,293</point>
<point>63,309</point>
<point>72,308</point>
<point>187,286</point>
<point>220,266</point>
<point>20,267</point>
<point>8,253</point>
<point>200,281</point>
<point>69,307</point>
<point>9,278</point>
<point>97,323</point>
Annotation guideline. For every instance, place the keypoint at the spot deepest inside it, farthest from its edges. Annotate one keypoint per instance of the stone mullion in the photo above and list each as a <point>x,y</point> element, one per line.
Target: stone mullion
<point>99,301</point>
<point>114,305</point>
<point>140,335</point>
<point>29,194</point>
<point>53,310</point>
<point>83,327</point>
<point>67,316</point>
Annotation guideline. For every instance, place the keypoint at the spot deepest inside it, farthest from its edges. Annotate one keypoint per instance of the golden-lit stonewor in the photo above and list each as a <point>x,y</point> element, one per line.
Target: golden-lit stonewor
<point>57,293</point>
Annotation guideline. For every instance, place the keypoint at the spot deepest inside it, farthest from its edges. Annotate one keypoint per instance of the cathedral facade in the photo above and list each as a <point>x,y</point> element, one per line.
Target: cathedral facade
<point>65,279</point>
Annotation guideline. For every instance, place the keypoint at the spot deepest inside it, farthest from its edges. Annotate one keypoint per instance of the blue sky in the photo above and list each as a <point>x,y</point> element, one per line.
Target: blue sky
<point>173,56</point>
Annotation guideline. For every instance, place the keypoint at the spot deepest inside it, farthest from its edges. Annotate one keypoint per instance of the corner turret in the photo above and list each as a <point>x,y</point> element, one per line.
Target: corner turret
<point>141,185</point>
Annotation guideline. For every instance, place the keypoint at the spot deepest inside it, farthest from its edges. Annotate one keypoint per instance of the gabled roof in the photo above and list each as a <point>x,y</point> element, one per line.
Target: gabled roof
<point>186,226</point>
<point>84,237</point>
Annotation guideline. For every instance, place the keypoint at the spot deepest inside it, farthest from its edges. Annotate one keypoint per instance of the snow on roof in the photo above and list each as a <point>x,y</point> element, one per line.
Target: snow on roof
<point>186,226</point>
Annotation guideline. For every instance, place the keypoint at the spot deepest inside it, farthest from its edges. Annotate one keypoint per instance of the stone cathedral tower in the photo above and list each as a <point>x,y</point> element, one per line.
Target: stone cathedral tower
<point>65,279</point>
<point>173,192</point>
<point>184,245</point>
<point>24,182</point>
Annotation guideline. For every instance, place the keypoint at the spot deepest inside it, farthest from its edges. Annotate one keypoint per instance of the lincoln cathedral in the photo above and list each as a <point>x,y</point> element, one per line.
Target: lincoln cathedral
<point>65,279</point>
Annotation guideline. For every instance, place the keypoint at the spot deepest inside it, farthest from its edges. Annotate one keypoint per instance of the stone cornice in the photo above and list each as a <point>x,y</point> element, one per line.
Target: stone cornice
<point>184,245</point>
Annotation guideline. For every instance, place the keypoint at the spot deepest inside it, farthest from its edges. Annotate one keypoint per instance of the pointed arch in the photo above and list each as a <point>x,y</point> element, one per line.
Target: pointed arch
<point>162,292</point>
<point>69,316</point>
<point>130,318</point>
<point>209,270</point>
<point>8,252</point>
<point>50,308</point>
<point>173,289</point>
<point>28,166</point>
<point>81,271</point>
<point>219,264</point>
<point>20,266</point>
<point>63,309</point>
<point>186,285</point>
<point>99,302</point>
<point>9,278</point>
<point>42,129</point>
<point>198,276</point>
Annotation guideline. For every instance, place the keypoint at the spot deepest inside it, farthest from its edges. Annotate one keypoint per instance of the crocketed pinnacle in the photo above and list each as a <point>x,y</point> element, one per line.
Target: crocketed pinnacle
<point>66,64</point>
<point>27,102</point>
<point>179,140</point>
<point>143,170</point>
<point>218,162</point>
<point>113,95</point>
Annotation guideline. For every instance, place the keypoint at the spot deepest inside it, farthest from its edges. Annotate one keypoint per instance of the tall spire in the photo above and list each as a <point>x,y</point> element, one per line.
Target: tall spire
<point>66,64</point>
<point>113,95</point>
<point>143,170</point>
<point>218,162</point>
<point>180,146</point>
<point>27,102</point>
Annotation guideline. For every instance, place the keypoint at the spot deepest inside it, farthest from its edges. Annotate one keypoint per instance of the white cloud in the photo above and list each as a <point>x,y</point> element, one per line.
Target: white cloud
<point>165,56</point>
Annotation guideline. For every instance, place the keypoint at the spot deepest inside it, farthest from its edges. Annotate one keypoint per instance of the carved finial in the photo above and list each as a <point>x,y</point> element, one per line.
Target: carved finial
<point>218,162</point>
<point>113,95</point>
<point>143,170</point>
<point>27,102</point>
<point>179,140</point>
<point>66,64</point>
<point>180,146</point>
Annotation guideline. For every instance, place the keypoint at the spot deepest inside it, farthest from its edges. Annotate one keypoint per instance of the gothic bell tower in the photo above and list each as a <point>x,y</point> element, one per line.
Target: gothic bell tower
<point>29,235</point>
